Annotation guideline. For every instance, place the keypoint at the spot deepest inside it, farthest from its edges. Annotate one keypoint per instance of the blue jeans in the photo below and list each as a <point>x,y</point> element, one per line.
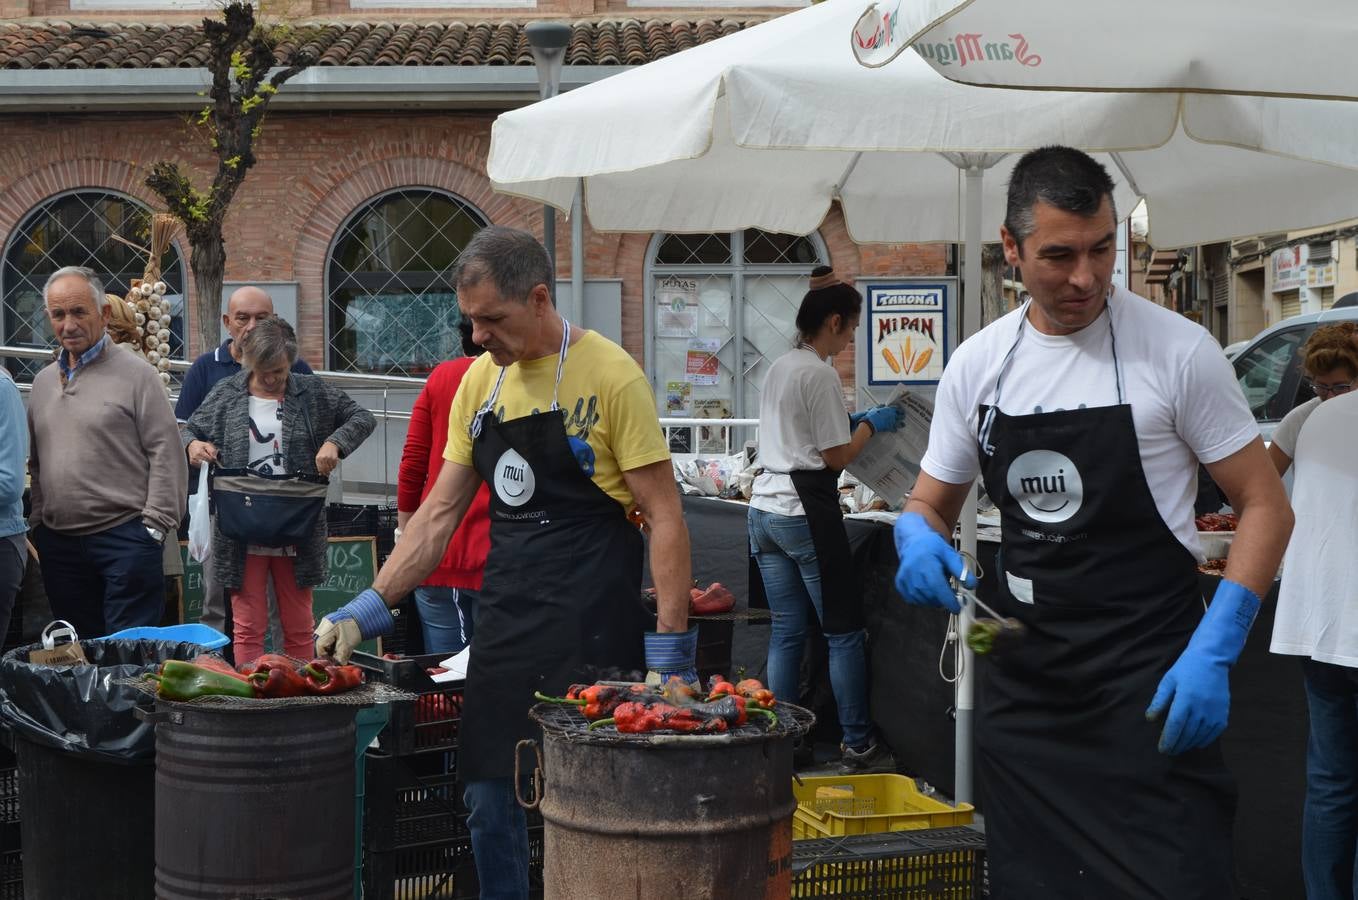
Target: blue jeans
<point>499,838</point>
<point>103,582</point>
<point>782,547</point>
<point>446,616</point>
<point>1329,822</point>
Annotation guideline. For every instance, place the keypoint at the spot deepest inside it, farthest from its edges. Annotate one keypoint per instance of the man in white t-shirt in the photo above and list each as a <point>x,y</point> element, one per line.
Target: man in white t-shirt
<point>1086,412</point>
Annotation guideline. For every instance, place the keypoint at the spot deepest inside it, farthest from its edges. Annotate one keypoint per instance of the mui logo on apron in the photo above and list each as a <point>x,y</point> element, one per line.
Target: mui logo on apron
<point>1046,484</point>
<point>514,481</point>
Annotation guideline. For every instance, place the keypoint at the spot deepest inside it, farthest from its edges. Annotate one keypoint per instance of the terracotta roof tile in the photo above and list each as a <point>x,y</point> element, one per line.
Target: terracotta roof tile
<point>610,42</point>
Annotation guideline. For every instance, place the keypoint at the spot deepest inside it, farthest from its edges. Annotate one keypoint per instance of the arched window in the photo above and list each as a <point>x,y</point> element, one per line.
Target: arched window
<point>80,228</point>
<point>392,309</point>
<point>733,296</point>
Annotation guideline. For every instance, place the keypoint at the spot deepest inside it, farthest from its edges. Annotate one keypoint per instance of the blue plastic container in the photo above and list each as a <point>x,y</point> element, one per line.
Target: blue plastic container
<point>190,633</point>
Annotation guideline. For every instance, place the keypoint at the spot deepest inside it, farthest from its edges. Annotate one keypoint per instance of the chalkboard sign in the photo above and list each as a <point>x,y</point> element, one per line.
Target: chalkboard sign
<point>351,563</point>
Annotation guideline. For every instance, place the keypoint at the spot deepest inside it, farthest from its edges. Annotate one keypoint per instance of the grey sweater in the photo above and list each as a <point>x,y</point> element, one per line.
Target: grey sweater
<point>224,421</point>
<point>104,448</point>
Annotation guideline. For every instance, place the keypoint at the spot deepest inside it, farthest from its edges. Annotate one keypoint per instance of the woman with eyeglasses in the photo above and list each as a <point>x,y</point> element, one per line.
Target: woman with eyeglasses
<point>1317,614</point>
<point>1329,362</point>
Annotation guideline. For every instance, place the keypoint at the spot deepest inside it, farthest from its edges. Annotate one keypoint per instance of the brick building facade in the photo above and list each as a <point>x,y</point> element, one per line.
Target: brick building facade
<point>319,161</point>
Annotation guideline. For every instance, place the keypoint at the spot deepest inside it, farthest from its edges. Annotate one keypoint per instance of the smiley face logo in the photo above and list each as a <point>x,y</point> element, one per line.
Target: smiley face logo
<point>514,481</point>
<point>1046,485</point>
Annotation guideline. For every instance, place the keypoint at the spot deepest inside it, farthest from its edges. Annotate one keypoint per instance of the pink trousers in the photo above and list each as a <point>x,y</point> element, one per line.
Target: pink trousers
<point>250,609</point>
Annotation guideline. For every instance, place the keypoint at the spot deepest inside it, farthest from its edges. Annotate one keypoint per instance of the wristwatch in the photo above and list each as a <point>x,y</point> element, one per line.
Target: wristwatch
<point>156,534</point>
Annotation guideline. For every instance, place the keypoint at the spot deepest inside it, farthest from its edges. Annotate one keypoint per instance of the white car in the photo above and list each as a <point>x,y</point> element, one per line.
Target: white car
<point>1269,365</point>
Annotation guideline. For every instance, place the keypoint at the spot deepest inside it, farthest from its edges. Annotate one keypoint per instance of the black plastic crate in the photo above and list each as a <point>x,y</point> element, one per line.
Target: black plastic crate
<point>386,531</point>
<point>445,871</point>
<point>406,638</point>
<point>933,864</point>
<point>351,520</point>
<point>411,801</point>
<point>427,724</point>
<point>11,875</point>
<point>9,796</point>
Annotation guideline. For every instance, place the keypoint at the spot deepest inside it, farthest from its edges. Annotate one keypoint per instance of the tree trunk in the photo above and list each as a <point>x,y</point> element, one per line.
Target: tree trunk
<point>993,303</point>
<point>208,260</point>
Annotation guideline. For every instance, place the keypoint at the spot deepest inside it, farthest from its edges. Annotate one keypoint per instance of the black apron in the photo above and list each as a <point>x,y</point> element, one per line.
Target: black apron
<point>841,599</point>
<point>562,586</point>
<point>1078,801</point>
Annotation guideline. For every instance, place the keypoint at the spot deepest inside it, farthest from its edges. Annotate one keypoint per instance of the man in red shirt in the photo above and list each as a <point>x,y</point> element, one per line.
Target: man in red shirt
<point>447,598</point>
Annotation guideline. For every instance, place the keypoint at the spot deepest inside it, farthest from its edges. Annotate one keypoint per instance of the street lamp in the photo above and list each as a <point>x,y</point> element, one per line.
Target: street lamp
<point>548,41</point>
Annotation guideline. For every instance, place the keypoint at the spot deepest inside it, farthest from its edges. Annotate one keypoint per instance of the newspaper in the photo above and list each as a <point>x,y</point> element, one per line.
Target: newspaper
<point>889,464</point>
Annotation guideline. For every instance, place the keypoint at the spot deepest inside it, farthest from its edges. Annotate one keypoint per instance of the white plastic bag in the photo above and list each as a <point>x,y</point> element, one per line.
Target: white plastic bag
<point>200,523</point>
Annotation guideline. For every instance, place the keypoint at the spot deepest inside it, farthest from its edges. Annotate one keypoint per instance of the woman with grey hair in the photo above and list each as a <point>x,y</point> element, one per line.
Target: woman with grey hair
<point>275,422</point>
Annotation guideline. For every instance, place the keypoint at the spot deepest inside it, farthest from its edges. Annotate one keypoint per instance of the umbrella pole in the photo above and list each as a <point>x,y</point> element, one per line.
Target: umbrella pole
<point>577,304</point>
<point>964,791</point>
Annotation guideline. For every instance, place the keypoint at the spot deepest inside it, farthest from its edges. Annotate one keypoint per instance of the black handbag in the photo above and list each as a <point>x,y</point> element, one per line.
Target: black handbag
<point>269,510</point>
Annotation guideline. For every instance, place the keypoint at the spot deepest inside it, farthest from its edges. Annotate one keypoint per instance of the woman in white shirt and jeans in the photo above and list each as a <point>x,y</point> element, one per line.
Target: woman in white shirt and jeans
<point>1329,360</point>
<point>796,529</point>
<point>1317,616</point>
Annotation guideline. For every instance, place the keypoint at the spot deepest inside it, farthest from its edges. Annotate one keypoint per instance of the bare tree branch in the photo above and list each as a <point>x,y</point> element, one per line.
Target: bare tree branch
<point>240,59</point>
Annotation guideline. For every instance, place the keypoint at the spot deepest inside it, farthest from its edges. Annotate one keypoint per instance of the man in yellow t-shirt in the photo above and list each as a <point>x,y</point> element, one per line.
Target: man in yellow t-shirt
<point>561,424</point>
<point>605,396</point>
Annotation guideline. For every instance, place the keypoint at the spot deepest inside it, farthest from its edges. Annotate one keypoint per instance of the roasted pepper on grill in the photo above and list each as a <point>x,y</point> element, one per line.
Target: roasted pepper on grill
<point>217,664</point>
<point>179,680</point>
<point>325,677</point>
<point>638,718</point>
<point>274,679</point>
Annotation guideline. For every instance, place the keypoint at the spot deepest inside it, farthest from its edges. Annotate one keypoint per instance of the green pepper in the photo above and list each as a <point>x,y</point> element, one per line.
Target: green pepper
<point>995,636</point>
<point>179,680</point>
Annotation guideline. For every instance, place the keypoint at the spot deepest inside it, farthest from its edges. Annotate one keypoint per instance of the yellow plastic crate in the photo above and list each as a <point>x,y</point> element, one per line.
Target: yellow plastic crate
<point>868,804</point>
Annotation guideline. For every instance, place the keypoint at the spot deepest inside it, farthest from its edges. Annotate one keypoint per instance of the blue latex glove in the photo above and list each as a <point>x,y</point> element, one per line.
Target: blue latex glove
<point>855,418</point>
<point>927,560</point>
<point>584,453</point>
<point>883,418</point>
<point>1197,689</point>
<point>673,653</point>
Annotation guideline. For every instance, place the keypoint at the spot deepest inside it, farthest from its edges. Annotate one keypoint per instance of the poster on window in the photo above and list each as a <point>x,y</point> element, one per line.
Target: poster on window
<point>700,363</point>
<point>678,399</point>
<point>712,438</point>
<point>676,314</point>
<point>906,333</point>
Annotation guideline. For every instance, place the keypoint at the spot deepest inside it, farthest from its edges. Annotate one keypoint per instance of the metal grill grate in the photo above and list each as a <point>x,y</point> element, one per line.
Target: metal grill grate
<point>567,721</point>
<point>365,695</point>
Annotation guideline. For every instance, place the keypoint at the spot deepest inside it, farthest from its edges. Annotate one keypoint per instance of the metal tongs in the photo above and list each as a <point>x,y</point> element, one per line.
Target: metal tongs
<point>985,636</point>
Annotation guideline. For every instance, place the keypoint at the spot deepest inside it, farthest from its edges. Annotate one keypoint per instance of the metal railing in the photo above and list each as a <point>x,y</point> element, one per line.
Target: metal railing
<point>701,437</point>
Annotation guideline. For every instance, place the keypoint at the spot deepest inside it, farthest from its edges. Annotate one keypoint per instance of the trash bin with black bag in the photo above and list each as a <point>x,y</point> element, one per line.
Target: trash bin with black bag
<point>86,768</point>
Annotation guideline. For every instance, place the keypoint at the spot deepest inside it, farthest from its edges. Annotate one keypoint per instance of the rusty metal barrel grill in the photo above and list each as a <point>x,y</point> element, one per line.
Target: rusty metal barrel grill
<point>667,815</point>
<point>255,798</point>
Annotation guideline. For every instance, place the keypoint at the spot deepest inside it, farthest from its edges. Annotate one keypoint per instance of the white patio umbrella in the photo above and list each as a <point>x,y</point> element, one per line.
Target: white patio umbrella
<point>1257,47</point>
<point>769,126</point>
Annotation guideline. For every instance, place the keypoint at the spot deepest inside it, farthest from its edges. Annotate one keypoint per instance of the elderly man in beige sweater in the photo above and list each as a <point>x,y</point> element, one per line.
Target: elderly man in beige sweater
<point>109,476</point>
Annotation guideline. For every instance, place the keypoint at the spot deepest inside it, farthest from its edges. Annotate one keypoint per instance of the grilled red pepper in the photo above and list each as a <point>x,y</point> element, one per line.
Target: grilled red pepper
<point>324,677</point>
<point>278,677</point>
<point>216,664</point>
<point>641,718</point>
<point>267,662</point>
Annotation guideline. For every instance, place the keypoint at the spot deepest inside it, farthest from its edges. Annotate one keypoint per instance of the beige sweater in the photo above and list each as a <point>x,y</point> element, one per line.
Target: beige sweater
<point>104,448</point>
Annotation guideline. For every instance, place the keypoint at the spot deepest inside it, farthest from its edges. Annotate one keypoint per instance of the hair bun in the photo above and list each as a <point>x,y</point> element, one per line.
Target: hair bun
<point>823,277</point>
